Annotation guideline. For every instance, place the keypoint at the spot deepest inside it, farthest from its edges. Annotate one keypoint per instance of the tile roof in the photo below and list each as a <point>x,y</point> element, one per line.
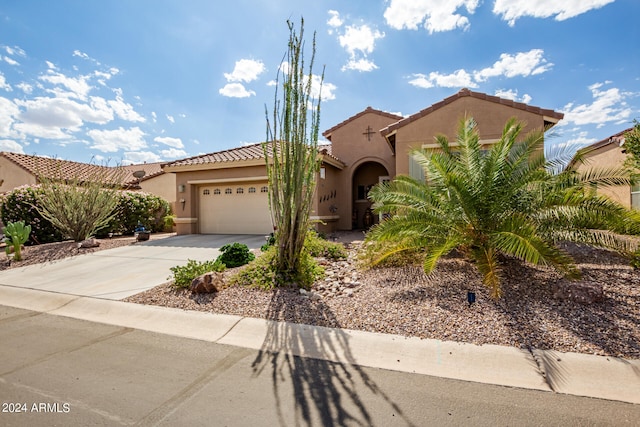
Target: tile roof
<point>68,170</point>
<point>617,139</point>
<point>479,95</point>
<point>327,133</point>
<point>248,152</point>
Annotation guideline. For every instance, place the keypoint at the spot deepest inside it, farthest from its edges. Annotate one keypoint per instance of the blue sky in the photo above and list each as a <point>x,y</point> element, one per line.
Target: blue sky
<point>156,80</point>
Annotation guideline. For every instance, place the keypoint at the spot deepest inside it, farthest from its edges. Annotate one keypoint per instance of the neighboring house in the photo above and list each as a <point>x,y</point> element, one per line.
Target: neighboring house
<point>226,191</point>
<point>23,169</point>
<point>608,153</point>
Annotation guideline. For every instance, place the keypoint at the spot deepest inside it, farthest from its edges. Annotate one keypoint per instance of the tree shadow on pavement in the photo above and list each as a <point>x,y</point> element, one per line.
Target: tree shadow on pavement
<point>327,386</point>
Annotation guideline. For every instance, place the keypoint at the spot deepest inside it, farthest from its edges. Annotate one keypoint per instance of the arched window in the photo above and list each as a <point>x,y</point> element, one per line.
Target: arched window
<point>264,189</point>
<point>252,189</point>
<point>206,192</point>
<point>228,191</point>
<point>239,190</point>
<point>216,191</point>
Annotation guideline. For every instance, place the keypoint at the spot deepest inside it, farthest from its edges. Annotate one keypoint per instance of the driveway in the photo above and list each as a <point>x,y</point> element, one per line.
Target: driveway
<point>125,271</point>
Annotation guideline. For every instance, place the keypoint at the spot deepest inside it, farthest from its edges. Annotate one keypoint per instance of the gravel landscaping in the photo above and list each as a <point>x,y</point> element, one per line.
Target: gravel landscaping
<point>405,301</point>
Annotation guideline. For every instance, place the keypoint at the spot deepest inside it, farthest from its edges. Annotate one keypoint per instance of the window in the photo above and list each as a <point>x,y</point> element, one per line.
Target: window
<point>252,189</point>
<point>323,173</point>
<point>216,191</point>
<point>239,190</point>
<point>415,170</point>
<point>635,196</point>
<point>264,189</point>
<point>206,192</point>
<point>228,191</point>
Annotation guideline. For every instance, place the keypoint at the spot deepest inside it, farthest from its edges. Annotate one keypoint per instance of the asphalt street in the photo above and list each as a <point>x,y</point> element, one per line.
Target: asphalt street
<point>56,370</point>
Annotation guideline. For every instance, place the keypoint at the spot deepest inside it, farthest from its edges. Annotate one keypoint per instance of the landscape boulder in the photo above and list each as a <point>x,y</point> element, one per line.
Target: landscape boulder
<point>581,292</point>
<point>89,243</point>
<point>207,283</point>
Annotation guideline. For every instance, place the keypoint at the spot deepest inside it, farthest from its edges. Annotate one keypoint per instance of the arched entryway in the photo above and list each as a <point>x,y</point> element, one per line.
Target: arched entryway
<point>365,176</point>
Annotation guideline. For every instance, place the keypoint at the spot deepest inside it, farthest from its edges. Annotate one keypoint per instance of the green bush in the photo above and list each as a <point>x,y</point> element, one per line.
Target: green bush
<point>261,273</point>
<point>136,206</point>
<point>183,275</point>
<point>20,205</point>
<point>235,255</point>
<point>319,247</point>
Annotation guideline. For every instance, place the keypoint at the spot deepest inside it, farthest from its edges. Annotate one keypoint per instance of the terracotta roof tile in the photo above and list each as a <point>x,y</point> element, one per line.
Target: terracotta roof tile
<point>248,152</point>
<point>479,95</point>
<point>66,169</point>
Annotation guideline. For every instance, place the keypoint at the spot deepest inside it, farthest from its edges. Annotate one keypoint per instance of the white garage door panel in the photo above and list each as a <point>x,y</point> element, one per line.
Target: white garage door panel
<point>242,212</point>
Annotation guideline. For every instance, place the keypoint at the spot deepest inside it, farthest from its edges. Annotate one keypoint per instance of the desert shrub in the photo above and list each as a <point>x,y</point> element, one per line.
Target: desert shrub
<point>319,247</point>
<point>183,275</point>
<point>20,205</point>
<point>235,255</point>
<point>136,206</point>
<point>261,272</point>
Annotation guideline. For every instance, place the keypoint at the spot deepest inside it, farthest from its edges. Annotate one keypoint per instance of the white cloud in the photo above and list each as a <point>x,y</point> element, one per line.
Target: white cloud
<point>359,42</point>
<point>236,90</point>
<point>137,157</point>
<point>3,83</point>
<point>360,65</point>
<point>63,112</point>
<point>8,112</point>
<point>511,10</point>
<point>25,87</point>
<point>171,142</point>
<point>173,153</point>
<point>171,118</point>
<point>245,70</point>
<point>328,89</point>
<point>78,86</point>
<point>11,146</point>
<point>334,20</point>
<point>154,116</point>
<point>125,111</point>
<point>437,15</point>
<point>80,54</point>
<point>110,141</point>
<point>609,105</point>
<point>575,143</point>
<point>10,61</point>
<point>512,94</point>
<point>459,78</point>
<point>359,39</point>
<point>520,64</point>
<point>51,65</point>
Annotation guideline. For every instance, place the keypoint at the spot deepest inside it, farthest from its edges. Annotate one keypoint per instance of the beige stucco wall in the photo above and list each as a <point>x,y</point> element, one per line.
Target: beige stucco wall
<point>608,156</point>
<point>163,185</point>
<point>490,117</point>
<point>325,198</point>
<point>354,148</point>
<point>13,176</point>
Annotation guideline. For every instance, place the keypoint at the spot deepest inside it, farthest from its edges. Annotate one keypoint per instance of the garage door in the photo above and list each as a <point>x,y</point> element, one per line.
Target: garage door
<point>235,209</point>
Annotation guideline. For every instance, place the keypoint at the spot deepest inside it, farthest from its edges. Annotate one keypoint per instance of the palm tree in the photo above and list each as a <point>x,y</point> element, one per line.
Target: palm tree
<point>508,200</point>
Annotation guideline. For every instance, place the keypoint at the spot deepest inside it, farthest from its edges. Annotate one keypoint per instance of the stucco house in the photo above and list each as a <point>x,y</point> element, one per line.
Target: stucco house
<point>609,153</point>
<point>22,169</point>
<point>227,191</point>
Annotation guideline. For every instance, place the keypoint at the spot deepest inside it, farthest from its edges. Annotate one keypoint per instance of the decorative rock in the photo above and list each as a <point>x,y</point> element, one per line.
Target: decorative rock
<point>207,283</point>
<point>581,292</point>
<point>89,243</point>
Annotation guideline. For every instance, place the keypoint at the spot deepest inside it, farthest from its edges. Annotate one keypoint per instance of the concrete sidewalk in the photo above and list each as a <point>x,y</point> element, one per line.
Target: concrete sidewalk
<point>582,375</point>
<point>121,272</point>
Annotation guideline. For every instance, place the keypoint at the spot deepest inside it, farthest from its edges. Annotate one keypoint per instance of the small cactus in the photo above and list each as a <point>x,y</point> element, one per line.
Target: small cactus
<point>15,235</point>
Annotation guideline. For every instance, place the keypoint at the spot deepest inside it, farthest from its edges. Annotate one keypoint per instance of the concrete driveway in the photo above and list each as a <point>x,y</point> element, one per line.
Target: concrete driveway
<point>125,271</point>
